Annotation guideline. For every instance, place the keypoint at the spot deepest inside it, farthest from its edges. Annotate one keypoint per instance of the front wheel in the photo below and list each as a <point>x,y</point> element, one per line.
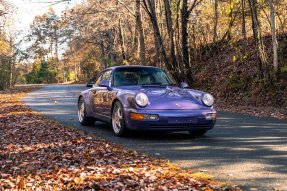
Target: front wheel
<point>118,120</point>
<point>198,132</point>
<point>82,116</point>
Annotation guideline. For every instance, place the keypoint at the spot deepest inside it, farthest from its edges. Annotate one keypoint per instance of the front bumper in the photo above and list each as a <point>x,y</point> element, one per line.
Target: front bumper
<point>171,120</point>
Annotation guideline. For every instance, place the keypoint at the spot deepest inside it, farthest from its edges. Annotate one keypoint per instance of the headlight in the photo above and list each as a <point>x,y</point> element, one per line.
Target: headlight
<point>207,100</point>
<point>141,99</point>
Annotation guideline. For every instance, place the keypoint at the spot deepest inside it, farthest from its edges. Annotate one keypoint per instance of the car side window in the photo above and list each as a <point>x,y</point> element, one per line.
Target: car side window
<point>107,76</point>
<point>104,76</point>
<point>98,80</point>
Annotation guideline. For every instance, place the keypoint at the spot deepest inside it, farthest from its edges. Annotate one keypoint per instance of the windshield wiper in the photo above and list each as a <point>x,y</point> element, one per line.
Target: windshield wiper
<point>171,84</point>
<point>158,84</point>
<point>151,84</point>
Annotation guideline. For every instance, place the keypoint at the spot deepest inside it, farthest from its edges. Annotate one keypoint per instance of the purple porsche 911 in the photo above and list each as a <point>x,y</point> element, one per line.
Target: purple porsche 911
<point>145,98</point>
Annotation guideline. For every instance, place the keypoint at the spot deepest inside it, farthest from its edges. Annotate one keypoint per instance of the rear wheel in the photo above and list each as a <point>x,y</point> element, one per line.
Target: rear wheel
<point>118,120</point>
<point>198,132</point>
<point>82,116</point>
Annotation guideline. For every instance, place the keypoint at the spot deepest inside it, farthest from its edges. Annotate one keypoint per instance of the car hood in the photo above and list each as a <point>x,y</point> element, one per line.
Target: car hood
<point>171,98</point>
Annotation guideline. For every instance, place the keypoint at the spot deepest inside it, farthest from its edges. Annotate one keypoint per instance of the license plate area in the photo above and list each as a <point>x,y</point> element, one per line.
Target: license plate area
<point>182,120</point>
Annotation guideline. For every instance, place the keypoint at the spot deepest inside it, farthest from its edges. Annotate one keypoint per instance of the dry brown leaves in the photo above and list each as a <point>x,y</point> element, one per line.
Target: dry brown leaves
<point>277,113</point>
<point>40,154</point>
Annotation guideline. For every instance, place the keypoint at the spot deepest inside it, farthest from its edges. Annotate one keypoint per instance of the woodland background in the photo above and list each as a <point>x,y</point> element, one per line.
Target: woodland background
<point>235,49</point>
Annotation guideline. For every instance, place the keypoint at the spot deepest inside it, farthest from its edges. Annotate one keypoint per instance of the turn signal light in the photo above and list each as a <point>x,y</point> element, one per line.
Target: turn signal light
<point>210,116</point>
<point>141,117</point>
<point>137,116</point>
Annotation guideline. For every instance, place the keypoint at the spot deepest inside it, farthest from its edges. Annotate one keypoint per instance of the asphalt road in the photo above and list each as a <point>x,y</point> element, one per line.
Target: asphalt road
<point>248,151</point>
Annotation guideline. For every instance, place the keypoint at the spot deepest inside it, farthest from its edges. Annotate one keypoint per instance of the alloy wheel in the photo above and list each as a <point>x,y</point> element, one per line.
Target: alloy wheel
<point>117,119</point>
<point>81,111</point>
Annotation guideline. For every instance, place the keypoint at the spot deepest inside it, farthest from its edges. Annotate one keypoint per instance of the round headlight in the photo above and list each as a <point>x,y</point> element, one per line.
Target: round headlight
<point>207,100</point>
<point>141,99</point>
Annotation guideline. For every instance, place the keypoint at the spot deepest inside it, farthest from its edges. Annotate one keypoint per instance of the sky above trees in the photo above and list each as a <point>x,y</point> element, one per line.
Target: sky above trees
<point>26,10</point>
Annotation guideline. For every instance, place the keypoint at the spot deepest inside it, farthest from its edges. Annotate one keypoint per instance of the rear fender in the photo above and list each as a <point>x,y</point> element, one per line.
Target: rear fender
<point>88,107</point>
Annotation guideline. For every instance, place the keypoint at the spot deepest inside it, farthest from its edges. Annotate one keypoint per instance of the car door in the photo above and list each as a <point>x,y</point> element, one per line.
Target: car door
<point>107,95</point>
<point>99,97</point>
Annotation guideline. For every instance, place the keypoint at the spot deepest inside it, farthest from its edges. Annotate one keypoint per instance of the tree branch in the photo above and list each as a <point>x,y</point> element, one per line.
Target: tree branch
<point>127,8</point>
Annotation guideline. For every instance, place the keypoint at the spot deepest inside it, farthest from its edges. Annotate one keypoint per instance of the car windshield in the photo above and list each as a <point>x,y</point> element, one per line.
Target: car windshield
<point>143,76</point>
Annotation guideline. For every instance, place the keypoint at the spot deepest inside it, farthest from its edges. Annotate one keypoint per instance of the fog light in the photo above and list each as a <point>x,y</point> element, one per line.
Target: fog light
<point>210,116</point>
<point>151,117</point>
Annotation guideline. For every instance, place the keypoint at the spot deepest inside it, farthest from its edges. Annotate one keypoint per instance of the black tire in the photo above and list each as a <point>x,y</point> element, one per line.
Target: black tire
<point>82,116</point>
<point>118,120</point>
<point>198,132</point>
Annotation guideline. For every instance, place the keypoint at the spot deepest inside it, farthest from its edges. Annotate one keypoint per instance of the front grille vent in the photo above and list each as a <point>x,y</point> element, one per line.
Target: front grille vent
<point>174,126</point>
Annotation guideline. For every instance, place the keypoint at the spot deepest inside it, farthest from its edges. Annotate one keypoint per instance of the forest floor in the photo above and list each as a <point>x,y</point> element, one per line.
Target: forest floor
<point>230,72</point>
<point>278,113</point>
<point>40,154</point>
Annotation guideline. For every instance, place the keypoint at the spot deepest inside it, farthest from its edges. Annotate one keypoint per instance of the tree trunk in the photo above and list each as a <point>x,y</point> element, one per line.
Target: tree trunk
<point>170,30</point>
<point>102,49</point>
<point>230,24</point>
<point>111,41</point>
<point>12,63</point>
<point>140,30</point>
<point>122,40</point>
<point>184,44</point>
<point>262,59</point>
<point>150,8</point>
<point>274,38</point>
<point>135,42</point>
<point>159,10</point>
<point>215,21</point>
<point>56,53</point>
<point>177,32</point>
<point>243,2</point>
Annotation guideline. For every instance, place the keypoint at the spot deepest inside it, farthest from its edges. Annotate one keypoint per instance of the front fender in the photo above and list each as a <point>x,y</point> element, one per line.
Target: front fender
<point>126,98</point>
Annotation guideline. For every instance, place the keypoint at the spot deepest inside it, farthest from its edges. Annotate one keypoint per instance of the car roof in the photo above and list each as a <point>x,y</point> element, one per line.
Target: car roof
<point>130,66</point>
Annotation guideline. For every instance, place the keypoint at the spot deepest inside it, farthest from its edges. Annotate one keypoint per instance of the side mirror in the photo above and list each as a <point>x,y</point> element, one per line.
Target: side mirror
<point>104,83</point>
<point>90,85</point>
<point>183,85</point>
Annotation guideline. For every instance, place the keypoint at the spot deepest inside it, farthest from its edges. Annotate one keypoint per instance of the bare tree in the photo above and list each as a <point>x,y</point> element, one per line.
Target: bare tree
<point>149,6</point>
<point>170,30</point>
<point>140,30</point>
<point>260,49</point>
<point>274,38</point>
<point>7,56</point>
<point>243,2</point>
<point>122,40</point>
<point>215,37</point>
